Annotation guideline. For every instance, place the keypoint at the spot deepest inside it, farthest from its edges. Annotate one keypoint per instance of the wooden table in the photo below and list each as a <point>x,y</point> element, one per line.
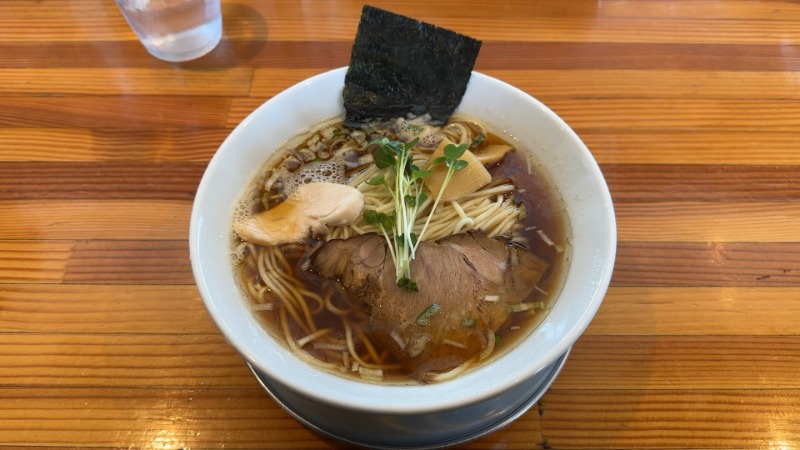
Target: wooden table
<point>692,109</point>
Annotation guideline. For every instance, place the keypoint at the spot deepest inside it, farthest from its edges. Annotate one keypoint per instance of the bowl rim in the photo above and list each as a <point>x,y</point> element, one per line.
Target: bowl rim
<point>466,389</point>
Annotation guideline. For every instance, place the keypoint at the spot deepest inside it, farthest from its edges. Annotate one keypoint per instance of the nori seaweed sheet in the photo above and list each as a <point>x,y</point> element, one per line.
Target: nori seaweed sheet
<point>401,66</point>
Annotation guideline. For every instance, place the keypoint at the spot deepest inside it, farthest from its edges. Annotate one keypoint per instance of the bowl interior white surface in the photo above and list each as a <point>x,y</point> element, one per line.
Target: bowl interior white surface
<point>517,114</point>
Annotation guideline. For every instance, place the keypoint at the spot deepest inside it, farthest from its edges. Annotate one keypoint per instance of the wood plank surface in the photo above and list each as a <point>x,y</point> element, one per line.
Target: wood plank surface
<point>96,261</point>
<point>113,111</point>
<point>690,107</point>
<point>125,81</point>
<point>682,362</point>
<point>103,308</point>
<point>684,418</point>
<point>84,359</point>
<point>97,219</point>
<point>692,146</point>
<point>698,311</point>
<point>701,264</point>
<point>709,221</point>
<point>60,144</point>
<point>101,21</point>
<point>163,418</point>
<point>90,180</point>
<point>503,55</point>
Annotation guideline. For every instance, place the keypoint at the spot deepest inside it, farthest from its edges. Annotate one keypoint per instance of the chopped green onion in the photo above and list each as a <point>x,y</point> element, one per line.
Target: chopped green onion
<point>409,285</point>
<point>478,140</point>
<point>469,323</point>
<point>425,317</point>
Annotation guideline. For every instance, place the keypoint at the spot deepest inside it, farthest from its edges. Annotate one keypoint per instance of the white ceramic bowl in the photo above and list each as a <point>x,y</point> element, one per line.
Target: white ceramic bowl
<point>455,408</point>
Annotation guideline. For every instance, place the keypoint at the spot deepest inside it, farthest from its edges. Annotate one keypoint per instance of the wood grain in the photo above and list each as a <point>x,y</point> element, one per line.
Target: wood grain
<point>22,144</point>
<point>692,146</point>
<point>683,182</point>
<point>137,262</point>
<point>709,221</point>
<point>701,264</point>
<point>103,308</point>
<point>502,55</point>
<point>124,360</point>
<point>690,9</point>
<point>97,261</point>
<point>113,111</point>
<point>628,84</point>
<point>682,362</point>
<point>95,219</point>
<point>163,418</point>
<point>622,30</point>
<point>687,114</point>
<point>125,81</point>
<point>91,180</point>
<point>637,56</point>
<point>683,418</point>
<point>106,23</point>
<point>698,311</point>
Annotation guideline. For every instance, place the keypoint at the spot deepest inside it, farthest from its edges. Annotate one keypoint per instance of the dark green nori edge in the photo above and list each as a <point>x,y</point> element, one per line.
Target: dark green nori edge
<point>401,66</point>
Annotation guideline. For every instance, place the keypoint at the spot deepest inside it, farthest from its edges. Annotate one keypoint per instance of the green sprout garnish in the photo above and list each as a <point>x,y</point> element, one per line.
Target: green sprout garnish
<point>406,183</point>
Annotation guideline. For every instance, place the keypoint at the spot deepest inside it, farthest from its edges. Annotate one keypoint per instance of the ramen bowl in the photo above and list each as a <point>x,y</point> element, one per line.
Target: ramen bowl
<point>396,416</point>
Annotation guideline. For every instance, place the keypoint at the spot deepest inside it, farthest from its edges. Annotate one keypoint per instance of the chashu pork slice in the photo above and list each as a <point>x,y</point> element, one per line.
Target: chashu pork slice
<point>469,277</point>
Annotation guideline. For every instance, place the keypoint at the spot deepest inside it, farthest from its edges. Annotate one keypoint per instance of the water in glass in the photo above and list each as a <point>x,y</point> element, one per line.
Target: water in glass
<point>175,30</point>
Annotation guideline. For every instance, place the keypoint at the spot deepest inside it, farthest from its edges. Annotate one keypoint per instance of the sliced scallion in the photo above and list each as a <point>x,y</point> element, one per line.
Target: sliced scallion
<point>425,316</point>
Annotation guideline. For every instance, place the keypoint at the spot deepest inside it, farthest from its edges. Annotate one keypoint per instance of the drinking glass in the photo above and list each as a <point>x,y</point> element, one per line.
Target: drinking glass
<point>175,30</point>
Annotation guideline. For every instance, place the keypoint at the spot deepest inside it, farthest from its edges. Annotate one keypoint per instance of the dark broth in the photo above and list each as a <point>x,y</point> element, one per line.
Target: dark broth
<point>544,211</point>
